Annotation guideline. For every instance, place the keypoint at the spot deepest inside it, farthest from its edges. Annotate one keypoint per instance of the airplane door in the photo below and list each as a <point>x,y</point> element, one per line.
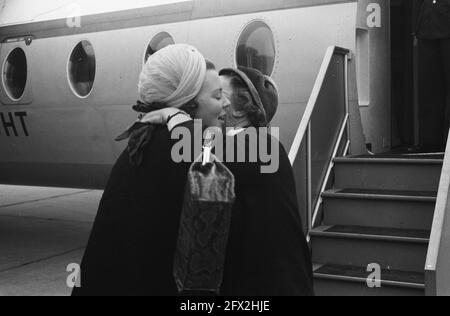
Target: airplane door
<point>404,73</point>
<point>387,81</point>
<point>373,72</point>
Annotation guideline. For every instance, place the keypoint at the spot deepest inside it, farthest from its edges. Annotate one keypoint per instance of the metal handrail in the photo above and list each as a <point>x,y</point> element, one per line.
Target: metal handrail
<point>330,168</point>
<point>437,267</point>
<point>304,132</point>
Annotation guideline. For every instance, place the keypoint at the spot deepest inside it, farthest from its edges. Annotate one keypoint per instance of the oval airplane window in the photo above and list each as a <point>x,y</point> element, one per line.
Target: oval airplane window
<point>15,74</point>
<point>256,48</point>
<point>81,69</point>
<point>160,41</point>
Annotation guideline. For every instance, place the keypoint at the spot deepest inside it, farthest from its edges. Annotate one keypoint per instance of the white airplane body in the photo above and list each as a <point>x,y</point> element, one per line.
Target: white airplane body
<point>52,136</point>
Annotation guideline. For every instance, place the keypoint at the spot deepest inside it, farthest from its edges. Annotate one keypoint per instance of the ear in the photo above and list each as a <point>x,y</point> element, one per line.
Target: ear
<point>239,114</point>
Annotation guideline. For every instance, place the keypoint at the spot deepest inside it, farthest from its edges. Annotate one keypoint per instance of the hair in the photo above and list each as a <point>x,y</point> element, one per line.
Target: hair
<point>242,100</point>
<point>191,107</point>
<point>210,65</point>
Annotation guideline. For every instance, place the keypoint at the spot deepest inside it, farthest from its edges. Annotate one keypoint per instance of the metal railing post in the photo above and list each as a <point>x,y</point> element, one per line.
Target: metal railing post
<point>347,101</point>
<point>309,176</point>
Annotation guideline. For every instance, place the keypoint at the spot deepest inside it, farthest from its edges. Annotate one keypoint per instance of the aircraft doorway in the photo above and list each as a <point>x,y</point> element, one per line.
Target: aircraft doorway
<point>404,77</point>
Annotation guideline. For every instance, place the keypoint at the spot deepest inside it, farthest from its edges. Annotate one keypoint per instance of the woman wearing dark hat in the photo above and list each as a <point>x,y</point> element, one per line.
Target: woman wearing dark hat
<point>267,252</point>
<point>132,244</point>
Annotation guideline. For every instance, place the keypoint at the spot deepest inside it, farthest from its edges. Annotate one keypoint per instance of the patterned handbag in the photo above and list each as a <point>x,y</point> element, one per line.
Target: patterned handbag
<point>205,225</point>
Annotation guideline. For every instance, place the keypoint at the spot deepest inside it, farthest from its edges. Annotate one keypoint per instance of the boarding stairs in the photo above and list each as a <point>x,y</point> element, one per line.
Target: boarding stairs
<point>376,224</point>
<point>379,211</point>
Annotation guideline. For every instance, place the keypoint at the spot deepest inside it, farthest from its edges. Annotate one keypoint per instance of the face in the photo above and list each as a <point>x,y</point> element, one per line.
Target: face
<point>211,101</point>
<point>233,117</point>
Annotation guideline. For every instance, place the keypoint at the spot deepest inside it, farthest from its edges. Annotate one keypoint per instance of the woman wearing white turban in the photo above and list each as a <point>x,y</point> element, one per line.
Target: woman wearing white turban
<point>132,244</point>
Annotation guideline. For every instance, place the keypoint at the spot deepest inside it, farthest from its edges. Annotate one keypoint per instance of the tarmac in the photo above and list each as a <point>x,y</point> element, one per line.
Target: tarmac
<point>42,232</point>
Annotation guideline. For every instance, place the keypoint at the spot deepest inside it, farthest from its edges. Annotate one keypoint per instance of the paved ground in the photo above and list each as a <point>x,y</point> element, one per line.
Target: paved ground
<point>42,231</point>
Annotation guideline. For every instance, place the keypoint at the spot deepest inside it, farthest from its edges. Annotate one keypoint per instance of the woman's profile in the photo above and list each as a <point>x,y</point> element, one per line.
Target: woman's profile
<point>132,244</point>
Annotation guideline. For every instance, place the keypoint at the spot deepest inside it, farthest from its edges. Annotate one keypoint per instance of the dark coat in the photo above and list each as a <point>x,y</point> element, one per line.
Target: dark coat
<point>132,246</point>
<point>267,253</point>
<point>434,20</point>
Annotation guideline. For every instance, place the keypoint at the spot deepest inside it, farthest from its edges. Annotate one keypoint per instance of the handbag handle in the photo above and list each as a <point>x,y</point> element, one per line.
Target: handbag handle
<point>207,148</point>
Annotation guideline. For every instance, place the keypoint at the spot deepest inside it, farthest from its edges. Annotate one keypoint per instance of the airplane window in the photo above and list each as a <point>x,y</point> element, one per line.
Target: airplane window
<point>15,74</point>
<point>256,48</point>
<point>160,41</point>
<point>82,69</point>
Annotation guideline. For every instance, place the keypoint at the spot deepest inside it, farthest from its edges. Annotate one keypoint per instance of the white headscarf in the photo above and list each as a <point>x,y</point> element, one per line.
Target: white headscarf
<point>172,76</point>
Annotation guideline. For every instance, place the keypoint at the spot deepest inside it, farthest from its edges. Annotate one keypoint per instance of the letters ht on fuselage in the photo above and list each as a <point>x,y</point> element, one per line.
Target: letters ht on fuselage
<point>13,124</point>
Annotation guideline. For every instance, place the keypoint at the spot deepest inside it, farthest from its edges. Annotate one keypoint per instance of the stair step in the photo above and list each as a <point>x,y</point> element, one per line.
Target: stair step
<point>396,195</point>
<point>388,277</point>
<point>392,249</point>
<point>388,173</point>
<point>374,233</point>
<point>405,155</point>
<point>352,280</point>
<point>379,208</point>
<point>390,160</point>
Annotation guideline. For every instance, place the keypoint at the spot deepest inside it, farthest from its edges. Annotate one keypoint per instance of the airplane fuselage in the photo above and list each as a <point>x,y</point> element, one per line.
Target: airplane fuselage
<point>58,134</point>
